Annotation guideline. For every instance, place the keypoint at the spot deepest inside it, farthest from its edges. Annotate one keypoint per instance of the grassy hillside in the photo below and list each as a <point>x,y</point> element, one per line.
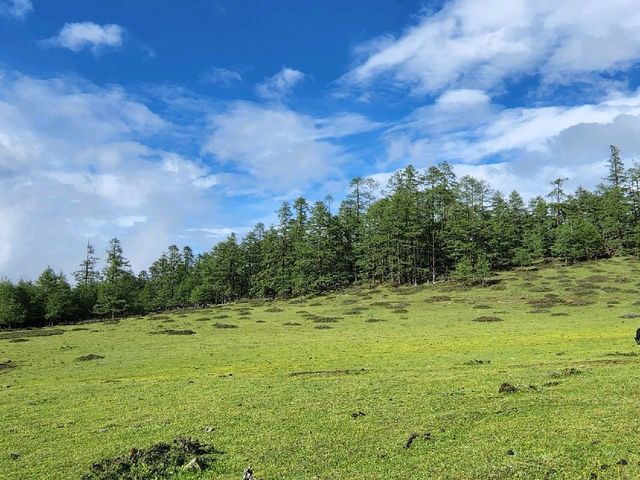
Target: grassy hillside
<point>332,387</point>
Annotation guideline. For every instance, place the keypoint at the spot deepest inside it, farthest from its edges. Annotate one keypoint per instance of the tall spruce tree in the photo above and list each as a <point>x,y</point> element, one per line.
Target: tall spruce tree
<point>118,289</point>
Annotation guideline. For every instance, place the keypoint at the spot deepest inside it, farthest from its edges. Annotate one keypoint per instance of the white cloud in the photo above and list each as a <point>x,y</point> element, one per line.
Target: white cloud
<point>130,220</point>
<point>280,85</point>
<point>481,43</point>
<point>78,161</point>
<point>220,233</point>
<point>521,148</point>
<point>18,9</point>
<point>81,35</point>
<point>222,77</point>
<point>279,148</point>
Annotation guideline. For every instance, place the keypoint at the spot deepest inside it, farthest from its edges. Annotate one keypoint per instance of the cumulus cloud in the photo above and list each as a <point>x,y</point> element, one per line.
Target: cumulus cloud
<point>481,43</point>
<point>81,35</point>
<point>281,149</point>
<point>222,77</point>
<point>18,9</point>
<point>79,161</point>
<point>280,85</point>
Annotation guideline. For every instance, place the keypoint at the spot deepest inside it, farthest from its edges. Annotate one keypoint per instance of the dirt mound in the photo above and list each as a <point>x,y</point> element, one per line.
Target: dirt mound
<point>225,325</point>
<point>170,331</point>
<point>507,388</point>
<point>8,365</point>
<point>30,333</point>
<point>487,319</point>
<point>328,373</point>
<point>91,356</point>
<point>160,461</point>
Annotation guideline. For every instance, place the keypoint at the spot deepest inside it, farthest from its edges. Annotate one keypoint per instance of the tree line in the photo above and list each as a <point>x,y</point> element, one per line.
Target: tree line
<point>424,226</point>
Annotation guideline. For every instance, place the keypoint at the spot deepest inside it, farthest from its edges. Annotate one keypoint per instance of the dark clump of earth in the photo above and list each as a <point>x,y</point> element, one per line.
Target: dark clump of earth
<point>487,318</point>
<point>414,436</point>
<point>160,461</point>
<point>224,325</point>
<point>7,365</point>
<point>91,356</point>
<point>170,331</point>
<point>507,388</point>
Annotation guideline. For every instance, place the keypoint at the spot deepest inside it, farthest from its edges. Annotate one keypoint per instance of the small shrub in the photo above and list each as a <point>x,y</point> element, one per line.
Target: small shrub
<point>224,325</point>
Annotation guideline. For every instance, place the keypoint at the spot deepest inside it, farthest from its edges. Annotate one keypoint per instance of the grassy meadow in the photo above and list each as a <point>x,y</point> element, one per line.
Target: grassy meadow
<point>332,387</point>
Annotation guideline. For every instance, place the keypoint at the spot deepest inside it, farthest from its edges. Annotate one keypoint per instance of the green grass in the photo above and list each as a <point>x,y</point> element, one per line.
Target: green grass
<point>281,396</point>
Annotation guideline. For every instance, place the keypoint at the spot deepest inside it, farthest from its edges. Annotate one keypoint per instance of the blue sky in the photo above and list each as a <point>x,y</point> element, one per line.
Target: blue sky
<point>178,122</point>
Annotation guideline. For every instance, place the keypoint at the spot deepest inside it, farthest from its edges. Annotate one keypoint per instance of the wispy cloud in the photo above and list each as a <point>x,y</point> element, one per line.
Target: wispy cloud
<point>222,77</point>
<point>279,148</point>
<point>480,43</point>
<point>18,9</point>
<point>280,85</point>
<point>88,35</point>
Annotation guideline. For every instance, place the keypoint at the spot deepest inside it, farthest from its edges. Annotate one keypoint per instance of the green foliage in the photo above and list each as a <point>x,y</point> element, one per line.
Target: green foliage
<point>12,312</point>
<point>426,226</point>
<point>117,291</point>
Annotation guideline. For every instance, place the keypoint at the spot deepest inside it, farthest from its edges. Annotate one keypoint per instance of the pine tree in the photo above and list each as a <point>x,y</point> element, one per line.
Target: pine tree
<point>87,278</point>
<point>557,196</point>
<point>55,296</point>
<point>616,176</point>
<point>12,312</point>
<point>116,293</point>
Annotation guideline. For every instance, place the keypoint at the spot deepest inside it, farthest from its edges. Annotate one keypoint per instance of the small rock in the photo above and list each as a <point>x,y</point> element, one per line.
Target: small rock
<point>510,452</point>
<point>623,462</point>
<point>193,465</point>
<point>248,474</point>
<point>357,414</point>
<point>209,429</point>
